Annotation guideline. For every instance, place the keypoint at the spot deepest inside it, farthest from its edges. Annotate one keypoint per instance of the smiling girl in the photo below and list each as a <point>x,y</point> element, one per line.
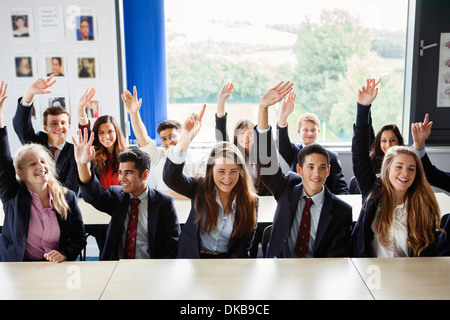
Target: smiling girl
<point>222,220</point>
<point>109,141</point>
<point>400,215</point>
<point>42,218</point>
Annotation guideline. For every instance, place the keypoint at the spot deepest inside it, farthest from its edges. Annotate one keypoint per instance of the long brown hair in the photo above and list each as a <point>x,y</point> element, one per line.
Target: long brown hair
<point>243,192</point>
<point>421,205</point>
<point>56,189</point>
<point>101,153</point>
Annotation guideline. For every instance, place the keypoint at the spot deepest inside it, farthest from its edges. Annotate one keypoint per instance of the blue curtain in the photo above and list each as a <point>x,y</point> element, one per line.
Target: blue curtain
<point>145,59</point>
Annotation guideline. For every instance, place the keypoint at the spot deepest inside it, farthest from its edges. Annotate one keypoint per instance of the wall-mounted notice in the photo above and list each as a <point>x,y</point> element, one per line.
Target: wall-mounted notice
<point>51,24</point>
<point>443,88</point>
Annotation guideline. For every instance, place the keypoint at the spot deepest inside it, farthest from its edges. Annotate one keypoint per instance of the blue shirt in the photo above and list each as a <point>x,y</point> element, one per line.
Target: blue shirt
<point>218,239</point>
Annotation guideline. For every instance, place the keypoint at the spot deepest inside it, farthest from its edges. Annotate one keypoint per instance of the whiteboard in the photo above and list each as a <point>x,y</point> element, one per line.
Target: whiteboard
<point>34,33</point>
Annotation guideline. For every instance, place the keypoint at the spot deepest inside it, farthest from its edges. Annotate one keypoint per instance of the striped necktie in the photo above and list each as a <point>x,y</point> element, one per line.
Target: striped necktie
<point>130,241</point>
<point>301,246</point>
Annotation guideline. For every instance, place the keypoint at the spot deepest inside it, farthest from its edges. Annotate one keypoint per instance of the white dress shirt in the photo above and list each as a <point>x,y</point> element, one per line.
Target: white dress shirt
<point>398,235</point>
<point>315,211</point>
<point>142,249</point>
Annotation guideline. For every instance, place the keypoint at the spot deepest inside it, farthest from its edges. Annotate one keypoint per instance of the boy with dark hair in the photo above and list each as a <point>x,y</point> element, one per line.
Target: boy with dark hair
<point>144,223</point>
<point>309,220</point>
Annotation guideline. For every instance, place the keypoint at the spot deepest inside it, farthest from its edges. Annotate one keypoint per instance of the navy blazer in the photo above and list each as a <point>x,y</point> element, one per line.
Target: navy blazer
<point>435,176</point>
<point>362,234</point>
<point>333,232</point>
<point>17,207</point>
<point>66,165</point>
<point>163,226</point>
<point>289,151</point>
<point>189,244</point>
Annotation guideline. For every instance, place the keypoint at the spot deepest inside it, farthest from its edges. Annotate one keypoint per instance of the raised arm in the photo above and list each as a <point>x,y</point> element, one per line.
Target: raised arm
<point>3,97</point>
<point>271,97</point>
<point>224,94</point>
<point>82,103</point>
<point>362,165</point>
<point>133,105</point>
<point>287,108</point>
<point>40,86</point>
<point>84,154</point>
<point>221,115</point>
<point>191,128</point>
<point>421,131</point>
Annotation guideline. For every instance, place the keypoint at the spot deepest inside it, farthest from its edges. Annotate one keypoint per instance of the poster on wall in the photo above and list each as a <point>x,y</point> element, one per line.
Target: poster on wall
<point>443,88</point>
<point>22,29</point>
<point>51,24</point>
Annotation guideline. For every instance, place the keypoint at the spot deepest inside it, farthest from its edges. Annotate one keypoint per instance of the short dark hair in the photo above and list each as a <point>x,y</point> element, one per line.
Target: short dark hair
<point>140,158</point>
<point>168,124</point>
<point>310,149</point>
<point>54,111</point>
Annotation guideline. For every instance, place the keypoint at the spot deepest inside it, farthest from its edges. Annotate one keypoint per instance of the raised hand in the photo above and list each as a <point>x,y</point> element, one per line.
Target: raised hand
<point>86,98</point>
<point>84,151</point>
<point>131,102</point>
<point>275,94</point>
<point>193,124</point>
<point>368,92</point>
<point>421,131</point>
<point>226,91</point>
<point>3,96</point>
<point>40,86</point>
<point>287,108</point>
<point>224,94</point>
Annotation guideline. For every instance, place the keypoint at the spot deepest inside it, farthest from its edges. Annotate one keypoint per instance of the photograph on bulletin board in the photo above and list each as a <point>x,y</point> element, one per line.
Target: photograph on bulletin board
<point>22,24</point>
<point>87,67</point>
<point>24,66</point>
<point>85,28</point>
<point>55,65</point>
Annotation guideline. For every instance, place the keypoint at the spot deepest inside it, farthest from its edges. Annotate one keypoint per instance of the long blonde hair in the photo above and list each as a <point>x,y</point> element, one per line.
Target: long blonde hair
<point>421,205</point>
<point>57,191</point>
<point>246,198</point>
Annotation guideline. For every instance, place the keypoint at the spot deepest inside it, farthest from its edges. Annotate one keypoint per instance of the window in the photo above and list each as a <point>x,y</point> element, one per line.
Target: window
<point>327,48</point>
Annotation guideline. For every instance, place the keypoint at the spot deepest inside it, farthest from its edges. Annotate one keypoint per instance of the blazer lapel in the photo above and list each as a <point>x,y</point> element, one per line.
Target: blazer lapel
<point>326,216</point>
<point>152,219</point>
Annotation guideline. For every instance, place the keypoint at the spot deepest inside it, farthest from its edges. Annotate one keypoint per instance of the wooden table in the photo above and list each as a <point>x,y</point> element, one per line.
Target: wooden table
<point>46,280</point>
<point>406,278</point>
<point>236,279</point>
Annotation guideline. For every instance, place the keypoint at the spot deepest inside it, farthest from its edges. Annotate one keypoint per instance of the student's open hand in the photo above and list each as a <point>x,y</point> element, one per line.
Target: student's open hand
<point>40,86</point>
<point>287,108</point>
<point>275,94</point>
<point>55,256</point>
<point>226,92</point>
<point>193,124</point>
<point>421,131</point>
<point>368,92</point>
<point>3,96</point>
<point>84,151</point>
<point>131,102</point>
<point>85,99</point>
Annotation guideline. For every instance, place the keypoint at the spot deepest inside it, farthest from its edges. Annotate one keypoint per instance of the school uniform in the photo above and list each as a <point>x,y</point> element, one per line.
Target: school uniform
<point>191,242</point>
<point>157,221</point>
<point>435,176</point>
<point>331,220</point>
<point>66,165</point>
<point>289,151</point>
<point>363,234</point>
<point>17,206</point>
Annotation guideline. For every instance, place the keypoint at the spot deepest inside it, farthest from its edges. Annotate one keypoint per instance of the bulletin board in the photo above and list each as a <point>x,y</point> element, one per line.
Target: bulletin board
<point>79,42</point>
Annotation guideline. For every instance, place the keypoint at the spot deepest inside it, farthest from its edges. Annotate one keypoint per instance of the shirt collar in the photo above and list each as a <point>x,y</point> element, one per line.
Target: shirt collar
<point>142,196</point>
<point>317,198</point>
